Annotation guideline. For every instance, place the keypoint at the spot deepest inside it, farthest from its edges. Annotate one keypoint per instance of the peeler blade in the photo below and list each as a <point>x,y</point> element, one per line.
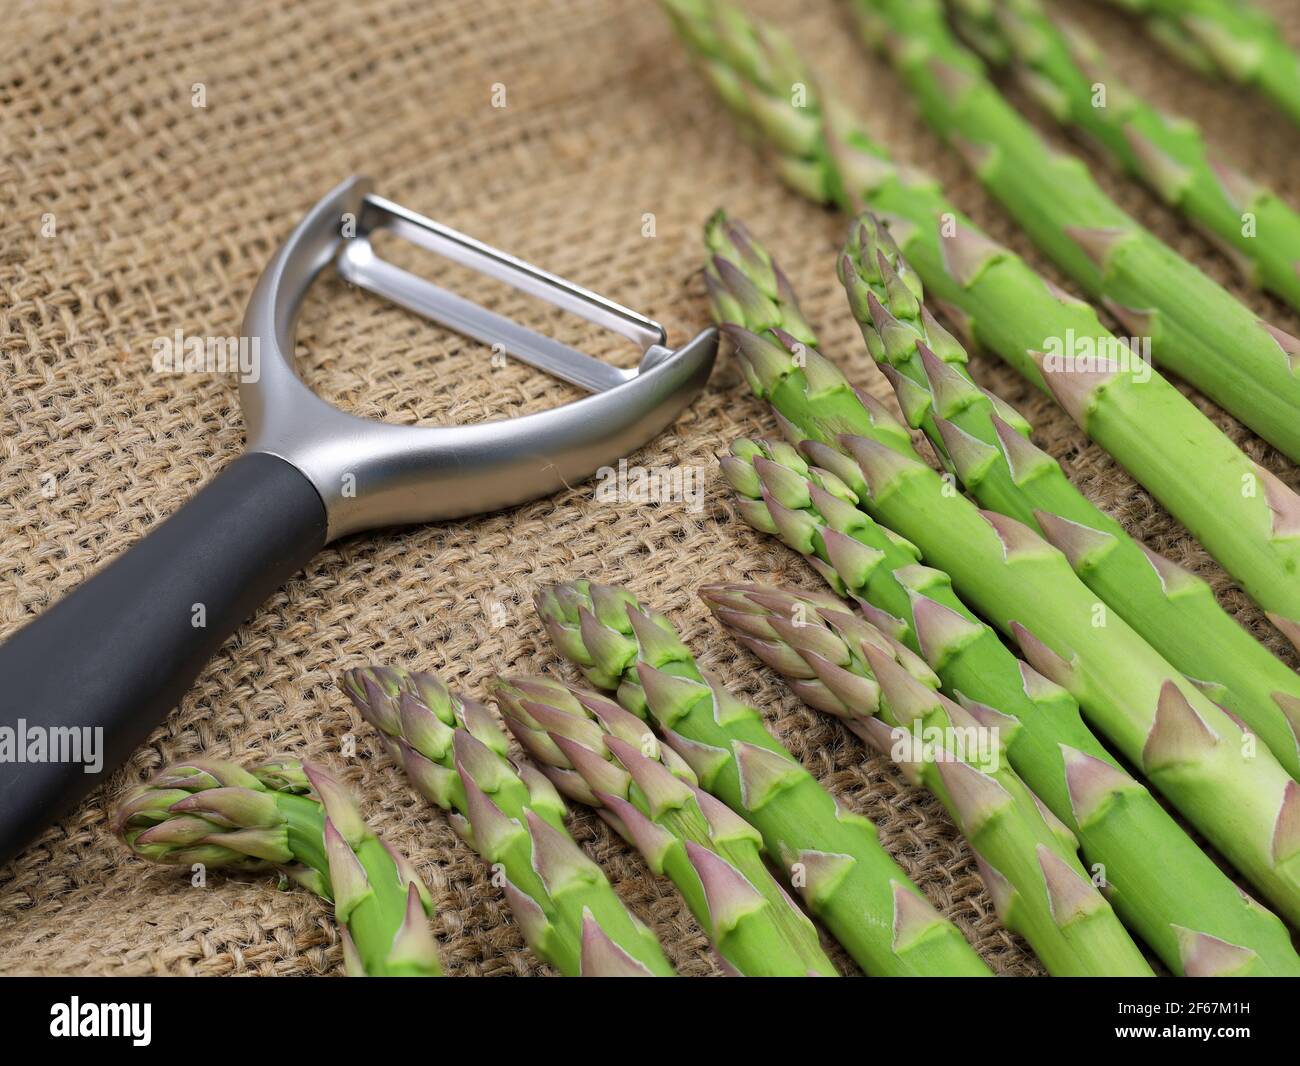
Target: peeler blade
<point>360,264</point>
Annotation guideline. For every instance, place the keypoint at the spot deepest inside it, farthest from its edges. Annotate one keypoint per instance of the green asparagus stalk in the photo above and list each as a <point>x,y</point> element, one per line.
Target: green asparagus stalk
<point>1162,884</point>
<point>841,664</point>
<point>830,855</point>
<point>1228,38</point>
<point>1196,328</point>
<point>1246,517</point>
<point>1206,763</point>
<point>1173,610</point>
<point>1065,71</point>
<point>597,753</point>
<point>301,820</point>
<point>455,755</point>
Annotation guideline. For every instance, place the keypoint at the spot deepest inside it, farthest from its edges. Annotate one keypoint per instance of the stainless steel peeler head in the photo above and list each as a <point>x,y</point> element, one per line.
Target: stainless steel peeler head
<point>370,473</point>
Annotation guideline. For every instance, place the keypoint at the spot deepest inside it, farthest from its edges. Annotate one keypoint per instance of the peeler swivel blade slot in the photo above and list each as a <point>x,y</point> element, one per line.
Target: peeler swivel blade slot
<point>359,264</point>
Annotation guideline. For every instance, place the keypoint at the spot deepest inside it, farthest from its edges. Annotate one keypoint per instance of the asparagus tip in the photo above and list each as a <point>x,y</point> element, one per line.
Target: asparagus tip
<point>340,806</point>
<point>906,698</point>
<point>663,791</point>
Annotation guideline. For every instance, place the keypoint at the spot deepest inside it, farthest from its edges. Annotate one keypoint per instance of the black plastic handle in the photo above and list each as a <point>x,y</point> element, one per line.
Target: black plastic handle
<point>118,652</point>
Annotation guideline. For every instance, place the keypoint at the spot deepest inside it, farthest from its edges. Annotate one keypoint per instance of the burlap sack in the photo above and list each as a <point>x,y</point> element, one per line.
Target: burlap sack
<point>163,213</point>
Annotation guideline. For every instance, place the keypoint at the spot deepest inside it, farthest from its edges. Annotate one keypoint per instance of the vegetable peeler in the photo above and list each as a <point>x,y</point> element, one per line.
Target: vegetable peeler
<point>117,653</point>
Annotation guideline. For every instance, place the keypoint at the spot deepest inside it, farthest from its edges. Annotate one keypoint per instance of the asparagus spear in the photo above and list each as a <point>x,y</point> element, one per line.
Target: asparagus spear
<point>830,855</point>
<point>1064,69</point>
<point>300,819</point>
<point>1162,884</point>
<point>1174,610</point>
<point>596,753</point>
<point>1196,328</point>
<point>841,664</point>
<point>1247,518</point>
<point>1231,38</point>
<point>456,756</point>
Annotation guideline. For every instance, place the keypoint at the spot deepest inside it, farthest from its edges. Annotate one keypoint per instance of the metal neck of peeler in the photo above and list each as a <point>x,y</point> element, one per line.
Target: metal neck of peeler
<point>371,473</point>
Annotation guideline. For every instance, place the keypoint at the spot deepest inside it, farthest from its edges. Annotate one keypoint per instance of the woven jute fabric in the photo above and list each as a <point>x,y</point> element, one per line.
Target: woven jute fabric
<point>128,212</point>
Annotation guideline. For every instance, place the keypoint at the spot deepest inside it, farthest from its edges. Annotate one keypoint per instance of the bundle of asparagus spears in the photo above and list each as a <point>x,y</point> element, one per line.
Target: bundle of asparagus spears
<point>1209,716</point>
<point>855,467</point>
